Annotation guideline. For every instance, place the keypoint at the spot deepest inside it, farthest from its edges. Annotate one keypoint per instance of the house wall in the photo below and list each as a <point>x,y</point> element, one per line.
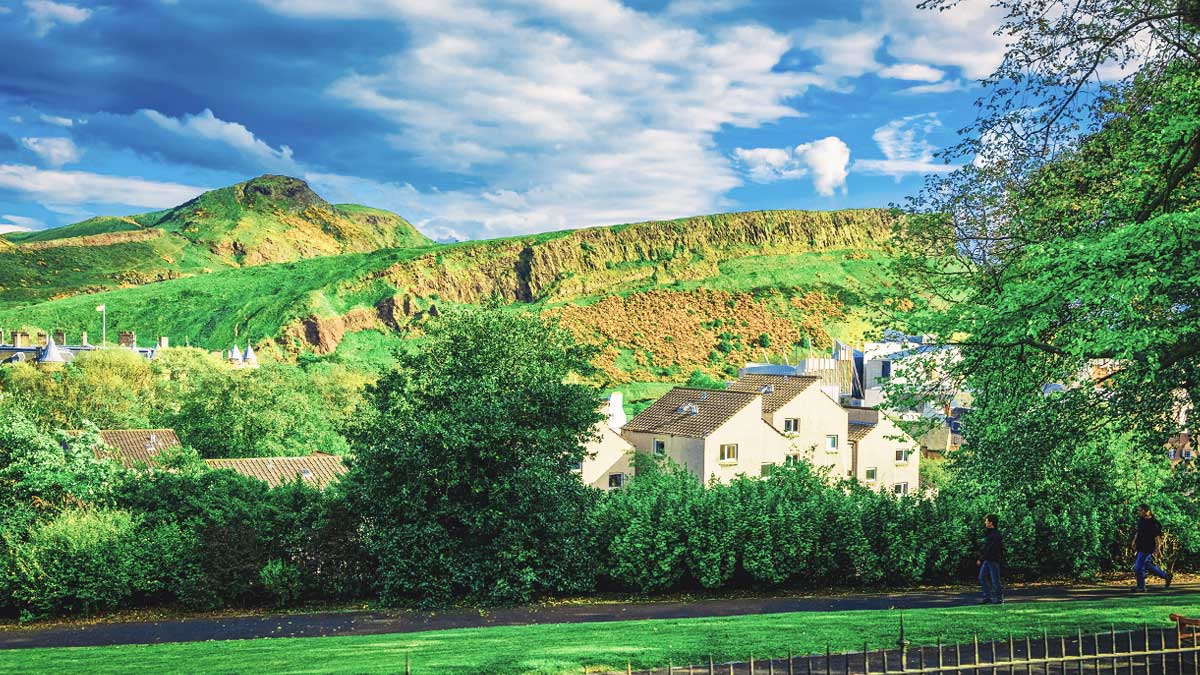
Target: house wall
<point>611,454</point>
<point>819,416</point>
<point>878,450</point>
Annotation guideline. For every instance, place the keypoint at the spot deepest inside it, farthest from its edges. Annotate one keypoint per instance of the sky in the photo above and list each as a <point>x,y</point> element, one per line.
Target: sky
<point>477,120</point>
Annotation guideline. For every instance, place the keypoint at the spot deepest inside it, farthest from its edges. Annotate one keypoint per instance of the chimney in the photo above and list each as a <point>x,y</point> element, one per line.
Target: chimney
<point>83,338</point>
<point>127,338</point>
<point>42,338</point>
<point>2,334</point>
<point>616,411</point>
<point>163,342</point>
<point>60,337</point>
<point>20,338</point>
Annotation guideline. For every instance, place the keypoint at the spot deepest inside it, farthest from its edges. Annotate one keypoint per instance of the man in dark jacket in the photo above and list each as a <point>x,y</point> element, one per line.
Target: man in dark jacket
<point>991,554</point>
<point>1147,543</point>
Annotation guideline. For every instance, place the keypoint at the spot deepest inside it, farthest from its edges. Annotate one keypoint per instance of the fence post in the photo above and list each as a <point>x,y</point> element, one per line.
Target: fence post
<point>828,666</point>
<point>866,660</point>
<point>751,664</point>
<point>791,664</point>
<point>628,667</point>
<point>1112,632</point>
<point>940,660</point>
<point>407,667</point>
<point>957,659</point>
<point>1012,653</point>
<point>975,643</point>
<point>711,670</point>
<point>1028,656</point>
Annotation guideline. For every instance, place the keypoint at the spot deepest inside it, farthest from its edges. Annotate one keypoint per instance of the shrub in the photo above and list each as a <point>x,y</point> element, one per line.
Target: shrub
<point>82,561</point>
<point>282,581</point>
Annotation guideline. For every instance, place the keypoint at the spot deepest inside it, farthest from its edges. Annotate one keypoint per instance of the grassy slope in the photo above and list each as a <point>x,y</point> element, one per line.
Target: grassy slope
<point>561,649</point>
<point>214,309</point>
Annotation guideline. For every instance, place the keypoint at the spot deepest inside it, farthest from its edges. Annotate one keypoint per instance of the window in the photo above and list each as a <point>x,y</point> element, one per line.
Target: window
<point>831,443</point>
<point>307,474</point>
<point>577,466</point>
<point>1187,454</point>
<point>728,452</point>
<point>792,460</point>
<point>885,369</point>
<point>871,473</point>
<point>766,470</point>
<point>1171,453</point>
<point>660,448</point>
<point>616,480</point>
<point>791,425</point>
<point>901,455</point>
<point>900,488</point>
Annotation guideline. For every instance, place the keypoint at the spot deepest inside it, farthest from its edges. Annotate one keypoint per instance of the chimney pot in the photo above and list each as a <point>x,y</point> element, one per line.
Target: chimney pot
<point>42,338</point>
<point>60,337</point>
<point>20,338</point>
<point>83,338</point>
<point>163,342</point>
<point>127,338</point>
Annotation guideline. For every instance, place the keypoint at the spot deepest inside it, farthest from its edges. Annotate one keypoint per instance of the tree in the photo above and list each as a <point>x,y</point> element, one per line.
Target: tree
<point>265,412</point>
<point>1058,258</point>
<point>463,462</point>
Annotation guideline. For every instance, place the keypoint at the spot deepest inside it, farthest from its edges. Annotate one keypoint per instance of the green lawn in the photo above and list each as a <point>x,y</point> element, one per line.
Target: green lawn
<point>568,648</point>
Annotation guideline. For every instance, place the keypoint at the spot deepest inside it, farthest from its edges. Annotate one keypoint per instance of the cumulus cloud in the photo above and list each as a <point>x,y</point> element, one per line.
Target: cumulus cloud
<point>826,160</point>
<point>46,14</point>
<point>697,8</point>
<point>55,151</point>
<point>61,190</point>
<point>208,127</point>
<point>570,114</point>
<point>906,148</point>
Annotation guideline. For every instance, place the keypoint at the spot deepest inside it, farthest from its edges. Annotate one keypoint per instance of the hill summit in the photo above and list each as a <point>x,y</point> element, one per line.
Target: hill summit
<point>267,219</point>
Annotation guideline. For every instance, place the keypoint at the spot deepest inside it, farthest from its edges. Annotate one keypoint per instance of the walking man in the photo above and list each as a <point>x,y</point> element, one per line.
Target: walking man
<point>991,554</point>
<point>1147,542</point>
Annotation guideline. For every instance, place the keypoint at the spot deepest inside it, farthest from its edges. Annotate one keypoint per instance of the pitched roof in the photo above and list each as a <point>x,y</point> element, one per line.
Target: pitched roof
<point>130,446</point>
<point>50,353</point>
<point>694,413</point>
<point>777,390</point>
<point>320,468</point>
<point>858,431</point>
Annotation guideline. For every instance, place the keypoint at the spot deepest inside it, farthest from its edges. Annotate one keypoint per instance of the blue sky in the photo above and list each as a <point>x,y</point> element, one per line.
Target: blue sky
<point>483,119</point>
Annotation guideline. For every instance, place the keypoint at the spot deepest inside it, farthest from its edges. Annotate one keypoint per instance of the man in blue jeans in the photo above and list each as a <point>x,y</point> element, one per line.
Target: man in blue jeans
<point>1147,542</point>
<point>991,554</point>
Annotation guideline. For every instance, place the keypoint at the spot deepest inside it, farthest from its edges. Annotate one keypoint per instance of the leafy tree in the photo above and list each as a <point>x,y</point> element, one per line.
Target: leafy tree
<point>463,464</point>
<point>269,411</point>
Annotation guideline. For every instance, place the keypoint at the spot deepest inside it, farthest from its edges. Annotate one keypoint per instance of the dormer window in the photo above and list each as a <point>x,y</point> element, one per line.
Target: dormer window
<point>307,474</point>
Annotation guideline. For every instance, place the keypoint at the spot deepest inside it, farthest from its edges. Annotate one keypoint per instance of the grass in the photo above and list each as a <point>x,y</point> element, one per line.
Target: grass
<point>561,649</point>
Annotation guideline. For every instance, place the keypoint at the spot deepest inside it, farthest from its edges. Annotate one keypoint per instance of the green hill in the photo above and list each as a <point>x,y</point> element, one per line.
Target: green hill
<point>659,298</point>
<point>269,219</point>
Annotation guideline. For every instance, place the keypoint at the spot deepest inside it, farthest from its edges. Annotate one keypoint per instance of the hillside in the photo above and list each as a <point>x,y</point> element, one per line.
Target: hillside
<point>659,298</point>
<point>269,219</point>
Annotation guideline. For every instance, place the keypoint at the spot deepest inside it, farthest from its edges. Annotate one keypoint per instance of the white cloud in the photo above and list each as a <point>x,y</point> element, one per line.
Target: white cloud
<point>826,160</point>
<point>924,41</point>
<point>47,14</point>
<point>943,87</point>
<point>905,145</point>
<point>60,190</point>
<point>53,151</point>
<point>11,223</point>
<point>916,72</point>
<point>57,121</point>
<point>568,113</point>
<point>208,127</point>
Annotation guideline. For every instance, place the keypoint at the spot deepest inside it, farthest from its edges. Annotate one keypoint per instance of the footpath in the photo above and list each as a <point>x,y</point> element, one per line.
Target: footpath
<point>382,622</point>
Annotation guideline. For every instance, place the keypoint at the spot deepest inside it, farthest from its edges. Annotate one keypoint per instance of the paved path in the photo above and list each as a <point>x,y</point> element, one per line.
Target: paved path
<point>373,623</point>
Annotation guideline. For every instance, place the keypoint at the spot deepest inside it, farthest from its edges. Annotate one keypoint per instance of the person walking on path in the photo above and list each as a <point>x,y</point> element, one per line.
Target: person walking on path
<point>991,555</point>
<point>1147,542</point>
